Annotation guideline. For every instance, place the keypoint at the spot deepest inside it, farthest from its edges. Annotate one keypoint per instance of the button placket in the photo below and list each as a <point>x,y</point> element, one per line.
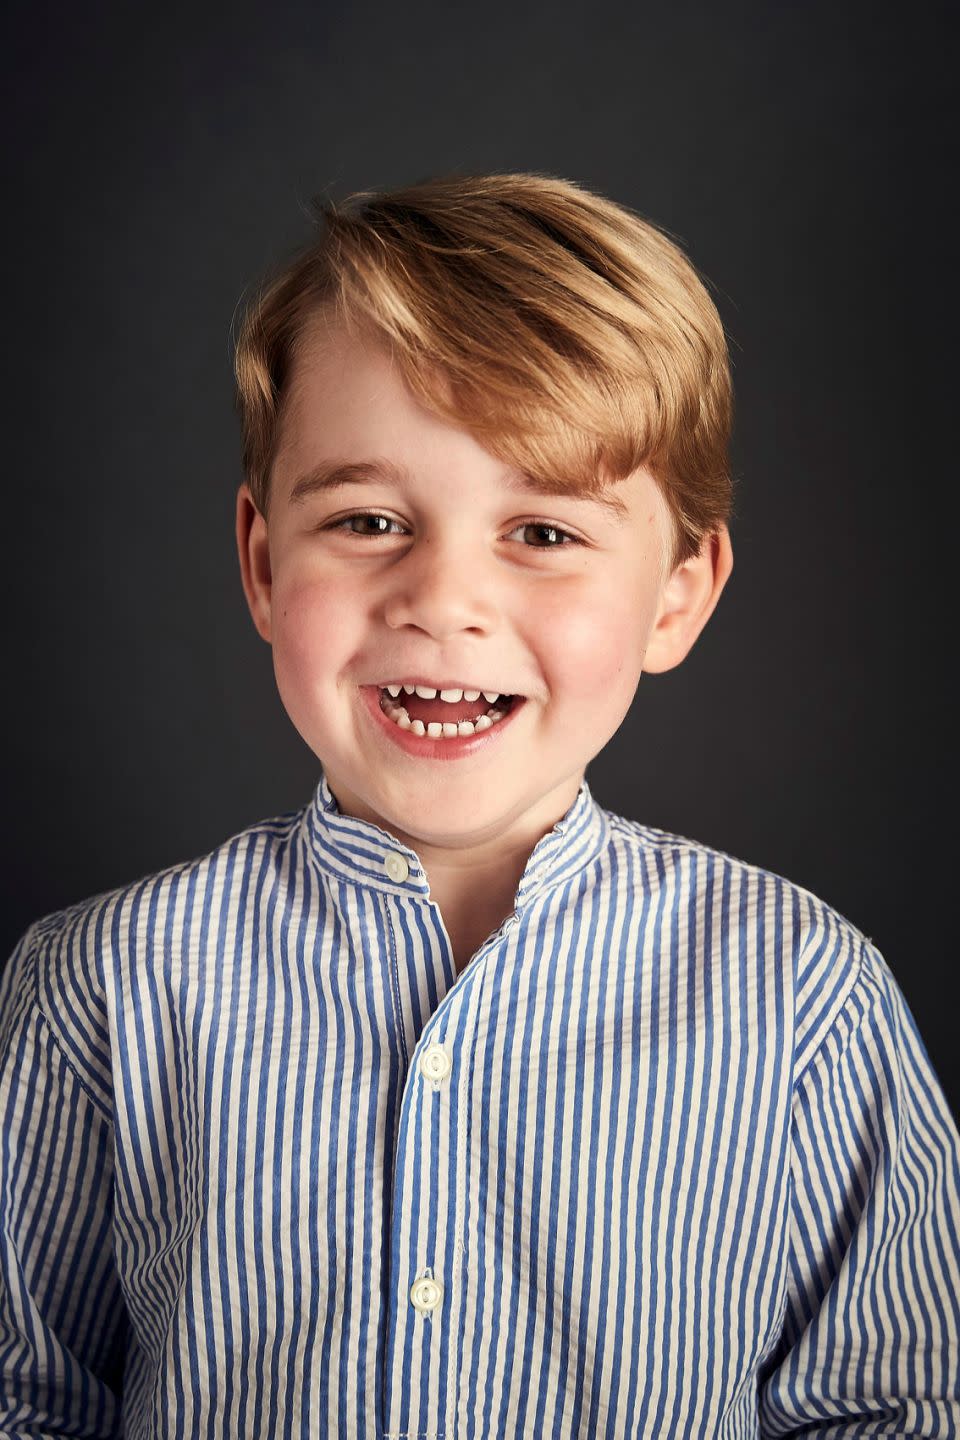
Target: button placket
<point>430,1233</point>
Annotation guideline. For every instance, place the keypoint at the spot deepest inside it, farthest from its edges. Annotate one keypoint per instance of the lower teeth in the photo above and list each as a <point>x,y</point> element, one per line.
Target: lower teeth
<point>446,730</point>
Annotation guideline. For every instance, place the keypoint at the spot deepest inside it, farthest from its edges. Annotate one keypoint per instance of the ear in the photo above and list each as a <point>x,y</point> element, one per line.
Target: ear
<point>254,553</point>
<point>687,601</point>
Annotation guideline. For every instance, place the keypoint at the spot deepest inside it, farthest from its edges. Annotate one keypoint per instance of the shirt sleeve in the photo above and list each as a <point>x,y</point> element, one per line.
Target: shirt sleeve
<point>871,1335</point>
<point>62,1318</point>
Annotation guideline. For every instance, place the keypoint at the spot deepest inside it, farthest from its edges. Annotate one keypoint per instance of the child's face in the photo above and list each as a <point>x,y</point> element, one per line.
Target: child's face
<point>457,589</point>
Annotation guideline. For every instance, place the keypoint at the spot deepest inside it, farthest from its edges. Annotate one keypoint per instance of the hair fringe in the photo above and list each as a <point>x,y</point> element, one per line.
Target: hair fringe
<point>566,333</point>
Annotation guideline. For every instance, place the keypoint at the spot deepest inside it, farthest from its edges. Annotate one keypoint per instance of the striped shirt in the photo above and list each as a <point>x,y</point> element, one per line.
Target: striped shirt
<point>667,1158</point>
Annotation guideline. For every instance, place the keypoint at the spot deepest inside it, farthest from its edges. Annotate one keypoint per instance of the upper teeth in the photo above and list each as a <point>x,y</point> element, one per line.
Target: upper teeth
<point>426,692</point>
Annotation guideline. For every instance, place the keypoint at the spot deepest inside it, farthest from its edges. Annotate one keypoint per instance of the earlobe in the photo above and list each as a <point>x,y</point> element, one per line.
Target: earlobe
<point>254,554</point>
<point>688,600</point>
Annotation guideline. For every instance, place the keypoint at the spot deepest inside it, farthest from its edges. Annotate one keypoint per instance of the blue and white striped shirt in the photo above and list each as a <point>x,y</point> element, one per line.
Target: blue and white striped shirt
<point>667,1158</point>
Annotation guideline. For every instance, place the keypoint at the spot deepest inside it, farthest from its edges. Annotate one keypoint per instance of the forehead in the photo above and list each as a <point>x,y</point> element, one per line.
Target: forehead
<point>343,394</point>
<point>349,416</point>
<point>339,376</point>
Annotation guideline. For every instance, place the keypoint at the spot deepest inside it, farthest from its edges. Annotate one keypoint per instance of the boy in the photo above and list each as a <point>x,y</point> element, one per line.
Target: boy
<point>454,1104</point>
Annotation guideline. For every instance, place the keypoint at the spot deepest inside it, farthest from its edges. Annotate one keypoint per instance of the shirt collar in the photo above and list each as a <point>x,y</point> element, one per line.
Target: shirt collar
<point>361,853</point>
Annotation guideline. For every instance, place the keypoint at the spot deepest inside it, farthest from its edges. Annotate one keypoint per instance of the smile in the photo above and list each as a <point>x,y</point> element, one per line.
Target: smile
<point>439,739</point>
<point>454,727</point>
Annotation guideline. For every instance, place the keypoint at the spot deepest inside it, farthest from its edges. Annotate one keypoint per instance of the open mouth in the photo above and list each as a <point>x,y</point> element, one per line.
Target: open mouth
<point>445,719</point>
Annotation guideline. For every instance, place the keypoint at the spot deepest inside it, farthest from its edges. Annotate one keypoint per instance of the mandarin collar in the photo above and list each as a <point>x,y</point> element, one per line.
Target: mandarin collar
<point>361,853</point>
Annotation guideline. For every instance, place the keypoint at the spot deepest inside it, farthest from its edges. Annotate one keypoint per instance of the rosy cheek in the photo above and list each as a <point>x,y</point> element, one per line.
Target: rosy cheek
<point>314,623</point>
<point>596,654</point>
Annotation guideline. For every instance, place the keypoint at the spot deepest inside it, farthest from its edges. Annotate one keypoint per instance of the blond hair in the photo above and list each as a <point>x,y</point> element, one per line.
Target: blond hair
<point>568,335</point>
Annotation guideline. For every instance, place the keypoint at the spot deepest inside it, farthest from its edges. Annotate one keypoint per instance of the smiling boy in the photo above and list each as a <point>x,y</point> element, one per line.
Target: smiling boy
<point>560,613</point>
<point>454,1104</point>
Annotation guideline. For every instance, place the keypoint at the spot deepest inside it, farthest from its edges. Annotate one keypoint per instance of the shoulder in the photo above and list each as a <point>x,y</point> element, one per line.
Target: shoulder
<point>100,915</point>
<point>820,953</point>
<point>698,866</point>
<point>75,963</point>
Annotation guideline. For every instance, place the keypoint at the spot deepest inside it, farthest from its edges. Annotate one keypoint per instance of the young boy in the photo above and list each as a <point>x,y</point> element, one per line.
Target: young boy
<point>454,1104</point>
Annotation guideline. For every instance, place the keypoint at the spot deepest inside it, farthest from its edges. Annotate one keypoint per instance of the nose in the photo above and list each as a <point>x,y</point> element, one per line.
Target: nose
<point>441,587</point>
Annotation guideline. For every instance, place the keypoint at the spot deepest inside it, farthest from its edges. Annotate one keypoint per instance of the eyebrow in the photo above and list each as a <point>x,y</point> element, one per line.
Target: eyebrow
<point>331,475</point>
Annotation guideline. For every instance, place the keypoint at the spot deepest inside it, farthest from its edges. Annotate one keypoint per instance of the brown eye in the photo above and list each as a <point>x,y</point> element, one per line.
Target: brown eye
<point>382,524</point>
<point>544,528</point>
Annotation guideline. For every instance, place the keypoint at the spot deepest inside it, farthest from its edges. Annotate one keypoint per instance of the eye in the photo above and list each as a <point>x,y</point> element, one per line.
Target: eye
<point>362,515</point>
<point>546,528</point>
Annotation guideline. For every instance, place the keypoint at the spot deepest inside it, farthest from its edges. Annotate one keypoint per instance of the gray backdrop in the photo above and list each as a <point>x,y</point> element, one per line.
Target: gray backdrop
<point>156,163</point>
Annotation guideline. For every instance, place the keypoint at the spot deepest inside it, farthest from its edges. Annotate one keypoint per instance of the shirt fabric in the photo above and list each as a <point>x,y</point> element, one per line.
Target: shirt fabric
<point>667,1158</point>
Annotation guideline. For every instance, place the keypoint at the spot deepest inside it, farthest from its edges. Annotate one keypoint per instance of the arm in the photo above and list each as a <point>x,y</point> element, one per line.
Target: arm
<point>871,1339</point>
<point>62,1318</point>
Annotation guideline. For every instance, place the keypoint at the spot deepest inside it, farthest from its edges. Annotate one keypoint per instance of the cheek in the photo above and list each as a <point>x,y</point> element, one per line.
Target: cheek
<point>313,625</point>
<point>596,647</point>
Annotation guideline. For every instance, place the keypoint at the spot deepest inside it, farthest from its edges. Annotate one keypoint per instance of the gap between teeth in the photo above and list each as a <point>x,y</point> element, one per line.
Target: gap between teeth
<point>447,729</point>
<point>426,692</point>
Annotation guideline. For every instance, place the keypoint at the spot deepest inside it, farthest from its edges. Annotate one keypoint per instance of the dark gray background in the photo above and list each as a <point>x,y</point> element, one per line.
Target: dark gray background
<point>155,164</point>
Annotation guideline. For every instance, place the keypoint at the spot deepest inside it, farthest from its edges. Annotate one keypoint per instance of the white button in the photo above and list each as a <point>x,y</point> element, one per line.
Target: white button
<point>435,1063</point>
<point>396,867</point>
<point>426,1295</point>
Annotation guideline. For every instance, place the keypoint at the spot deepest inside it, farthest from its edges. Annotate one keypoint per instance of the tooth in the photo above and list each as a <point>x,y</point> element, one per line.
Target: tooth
<point>451,695</point>
<point>408,689</point>
<point>393,690</point>
<point>491,695</point>
<point>471,694</point>
<point>447,730</point>
<point>426,692</point>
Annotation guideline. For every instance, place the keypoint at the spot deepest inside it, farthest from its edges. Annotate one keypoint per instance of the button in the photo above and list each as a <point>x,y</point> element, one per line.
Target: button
<point>435,1063</point>
<point>426,1295</point>
<point>396,866</point>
